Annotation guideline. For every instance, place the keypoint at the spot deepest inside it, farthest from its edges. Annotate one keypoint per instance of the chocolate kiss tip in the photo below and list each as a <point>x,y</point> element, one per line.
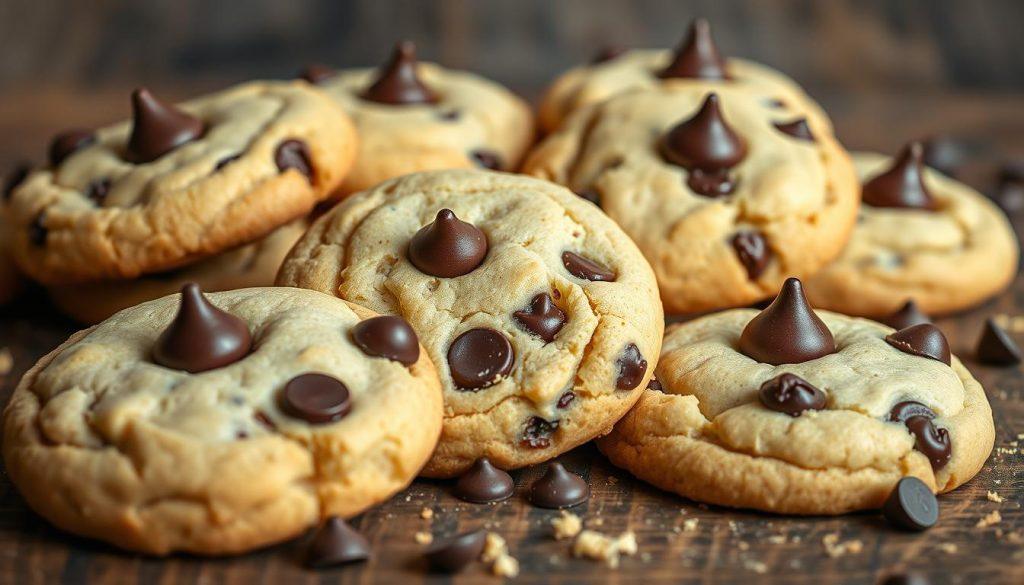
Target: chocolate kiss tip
<point>902,184</point>
<point>397,82</point>
<point>336,543</point>
<point>201,337</point>
<point>697,56</point>
<point>447,247</point>
<point>787,331</point>
<point>158,128</point>
<point>704,141</point>
<point>997,348</point>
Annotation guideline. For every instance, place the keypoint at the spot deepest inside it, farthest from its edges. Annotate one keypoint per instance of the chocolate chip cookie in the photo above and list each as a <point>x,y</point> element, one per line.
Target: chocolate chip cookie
<point>420,116</point>
<point>920,235</point>
<point>176,184</point>
<point>541,316</point>
<point>725,196</point>
<point>221,423</point>
<point>802,412</point>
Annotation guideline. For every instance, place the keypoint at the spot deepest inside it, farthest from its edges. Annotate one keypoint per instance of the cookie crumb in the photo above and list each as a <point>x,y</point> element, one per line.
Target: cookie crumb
<point>777,539</point>
<point>690,525</point>
<point>496,553</point>
<point>836,549</point>
<point>6,361</point>
<point>948,548</point>
<point>423,538</point>
<point>994,497</point>
<point>426,513</point>
<point>990,519</point>
<point>742,545</point>
<point>755,566</point>
<point>567,525</point>
<point>601,547</point>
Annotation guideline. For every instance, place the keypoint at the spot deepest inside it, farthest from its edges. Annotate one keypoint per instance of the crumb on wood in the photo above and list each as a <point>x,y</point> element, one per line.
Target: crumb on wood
<point>949,548</point>
<point>566,525</point>
<point>423,538</point>
<point>690,524</point>
<point>835,549</point>
<point>755,566</point>
<point>426,513</point>
<point>994,497</point>
<point>6,361</point>
<point>742,545</point>
<point>601,547</point>
<point>990,519</point>
<point>777,539</point>
<point>496,553</point>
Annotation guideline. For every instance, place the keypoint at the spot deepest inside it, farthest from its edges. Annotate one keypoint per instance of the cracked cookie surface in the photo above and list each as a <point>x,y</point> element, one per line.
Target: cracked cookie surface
<point>552,267</point>
<point>791,206</point>
<point>948,259</point>
<point>105,443</point>
<point>265,154</point>
<point>710,437</point>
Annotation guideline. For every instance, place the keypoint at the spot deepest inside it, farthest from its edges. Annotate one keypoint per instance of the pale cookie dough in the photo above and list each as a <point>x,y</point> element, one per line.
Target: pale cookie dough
<point>96,216</point>
<point>798,196</point>
<point>556,395</point>
<point>709,438</point>
<point>946,260</point>
<point>105,443</point>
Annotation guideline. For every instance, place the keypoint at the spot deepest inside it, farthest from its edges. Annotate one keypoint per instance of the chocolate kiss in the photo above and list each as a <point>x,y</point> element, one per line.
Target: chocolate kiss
<point>924,340</point>
<point>158,128</point>
<point>452,554</point>
<point>705,141</point>
<point>201,337</point>
<point>558,488</point>
<point>697,56</point>
<point>906,316</point>
<point>447,247</point>
<point>336,543</point>
<point>902,185</point>
<point>997,348</point>
<point>788,331</point>
<point>397,82</point>
<point>484,483</point>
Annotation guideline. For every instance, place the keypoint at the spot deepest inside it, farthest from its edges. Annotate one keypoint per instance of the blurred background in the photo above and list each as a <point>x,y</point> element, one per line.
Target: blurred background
<point>887,70</point>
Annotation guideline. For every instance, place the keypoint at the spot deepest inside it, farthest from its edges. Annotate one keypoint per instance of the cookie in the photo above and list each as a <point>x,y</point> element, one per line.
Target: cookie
<point>695,63</point>
<point>540,314</point>
<point>724,196</point>
<point>220,424</point>
<point>802,412</point>
<point>920,235</point>
<point>251,265</point>
<point>420,116</point>
<point>178,184</point>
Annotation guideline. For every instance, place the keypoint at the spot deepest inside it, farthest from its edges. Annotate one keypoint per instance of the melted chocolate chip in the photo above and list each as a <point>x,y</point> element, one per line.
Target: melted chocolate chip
<point>37,230</point>
<point>566,399</point>
<point>294,154</point>
<point>712,184</point>
<point>697,56</point>
<point>788,331</point>
<point>336,543</point>
<point>797,128</point>
<point>98,191</point>
<point>67,143</point>
<point>907,316</point>
<point>316,398</point>
<point>397,82</point>
<point>585,268</point>
<point>791,394</point>
<point>558,488</point>
<point>158,128</point>
<point>753,252</point>
<point>655,384</point>
<point>228,160</point>
<point>705,141</point>
<point>388,337</point>
<point>925,340</point>
<point>607,53</point>
<point>996,347</point>
<point>201,337</point>
<point>447,247</point>
<point>451,555</point>
<point>902,184</point>
<point>316,73</point>
<point>14,178</point>
<point>542,318</point>
<point>479,357</point>
<point>911,505</point>
<point>907,409</point>
<point>537,434</point>
<point>632,367</point>
<point>487,159</point>
<point>934,442</point>
<point>484,483</point>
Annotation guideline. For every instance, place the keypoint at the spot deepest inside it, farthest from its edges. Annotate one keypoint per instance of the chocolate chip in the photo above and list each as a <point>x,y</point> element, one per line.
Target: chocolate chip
<point>632,367</point>
<point>911,505</point>
<point>788,331</point>
<point>294,154</point>
<point>945,154</point>
<point>704,141</point>
<point>925,340</point>
<point>487,159</point>
<point>905,410</point>
<point>996,347</point>
<point>753,252</point>
<point>447,247</point>
<point>934,442</point>
<point>712,184</point>
<point>484,483</point>
<point>537,434</point>
<point>797,128</point>
<point>201,337</point>
<point>905,579</point>
<point>67,143</point>
<point>655,384</point>
<point>607,53</point>
<point>542,318</point>
<point>902,184</point>
<point>397,82</point>
<point>566,399</point>
<point>479,357</point>
<point>228,160</point>
<point>697,56</point>
<point>451,555</point>
<point>37,230</point>
<point>558,488</point>
<point>585,268</point>
<point>98,190</point>
<point>906,316</point>
<point>316,398</point>
<point>158,128</point>
<point>16,177</point>
<point>791,394</point>
<point>388,337</point>
<point>316,73</point>
<point>336,543</point>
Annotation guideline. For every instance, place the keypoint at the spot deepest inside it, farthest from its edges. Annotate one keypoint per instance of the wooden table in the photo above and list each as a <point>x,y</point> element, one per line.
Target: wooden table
<point>726,546</point>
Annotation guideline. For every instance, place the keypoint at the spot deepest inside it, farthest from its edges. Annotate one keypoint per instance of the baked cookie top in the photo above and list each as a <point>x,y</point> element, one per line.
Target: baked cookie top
<point>539,313</point>
<point>920,235</point>
<point>420,116</point>
<point>695,63</point>
<point>725,197</point>
<point>178,184</point>
<point>220,425</point>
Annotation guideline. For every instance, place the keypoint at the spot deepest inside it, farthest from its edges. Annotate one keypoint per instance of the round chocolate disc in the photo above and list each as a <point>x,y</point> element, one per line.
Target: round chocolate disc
<point>388,337</point>
<point>479,357</point>
<point>316,398</point>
